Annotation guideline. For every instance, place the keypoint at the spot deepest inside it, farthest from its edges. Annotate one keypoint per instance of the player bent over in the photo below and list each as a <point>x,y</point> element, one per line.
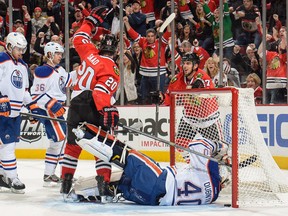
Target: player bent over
<point>144,181</point>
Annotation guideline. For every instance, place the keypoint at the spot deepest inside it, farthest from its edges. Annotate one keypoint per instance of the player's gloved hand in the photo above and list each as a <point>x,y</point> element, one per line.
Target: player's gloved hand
<point>97,15</point>
<point>198,83</point>
<point>109,116</point>
<point>157,97</point>
<point>5,108</point>
<point>55,107</point>
<point>35,109</point>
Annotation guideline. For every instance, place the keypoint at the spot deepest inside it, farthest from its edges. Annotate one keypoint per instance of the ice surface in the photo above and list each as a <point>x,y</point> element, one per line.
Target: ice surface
<point>41,201</point>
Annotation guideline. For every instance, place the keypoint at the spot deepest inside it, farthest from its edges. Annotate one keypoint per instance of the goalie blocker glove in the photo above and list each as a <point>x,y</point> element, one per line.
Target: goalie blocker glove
<point>97,15</point>
<point>109,116</point>
<point>5,108</point>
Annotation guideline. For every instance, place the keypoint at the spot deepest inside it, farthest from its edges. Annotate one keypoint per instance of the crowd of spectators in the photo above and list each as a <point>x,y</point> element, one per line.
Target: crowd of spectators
<point>196,30</point>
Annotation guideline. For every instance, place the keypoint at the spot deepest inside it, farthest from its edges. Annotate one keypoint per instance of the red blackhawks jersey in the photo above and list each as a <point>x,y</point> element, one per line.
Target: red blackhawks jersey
<point>147,8</point>
<point>149,60</point>
<point>199,110</point>
<point>97,73</point>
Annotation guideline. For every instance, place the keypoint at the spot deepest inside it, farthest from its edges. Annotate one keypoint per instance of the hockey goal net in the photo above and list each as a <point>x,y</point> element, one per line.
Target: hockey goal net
<point>229,114</point>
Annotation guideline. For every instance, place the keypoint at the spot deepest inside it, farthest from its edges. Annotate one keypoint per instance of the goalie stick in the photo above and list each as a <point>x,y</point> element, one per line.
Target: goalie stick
<point>161,30</point>
<point>242,164</point>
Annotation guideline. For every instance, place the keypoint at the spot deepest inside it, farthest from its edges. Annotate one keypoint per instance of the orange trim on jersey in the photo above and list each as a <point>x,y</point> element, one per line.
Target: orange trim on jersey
<point>58,129</point>
<point>147,161</point>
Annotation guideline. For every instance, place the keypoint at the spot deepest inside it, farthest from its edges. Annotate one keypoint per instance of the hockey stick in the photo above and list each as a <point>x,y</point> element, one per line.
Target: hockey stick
<point>242,164</point>
<point>43,117</point>
<point>161,30</point>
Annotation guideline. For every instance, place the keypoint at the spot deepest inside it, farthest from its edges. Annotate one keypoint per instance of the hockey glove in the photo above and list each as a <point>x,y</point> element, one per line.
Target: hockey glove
<point>109,116</point>
<point>5,108</point>
<point>55,107</point>
<point>35,109</point>
<point>157,97</point>
<point>97,15</point>
<point>198,83</point>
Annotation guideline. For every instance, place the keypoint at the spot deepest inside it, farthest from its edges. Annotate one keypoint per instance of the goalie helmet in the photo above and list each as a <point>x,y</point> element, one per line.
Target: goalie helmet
<point>108,44</point>
<point>53,47</point>
<point>16,39</point>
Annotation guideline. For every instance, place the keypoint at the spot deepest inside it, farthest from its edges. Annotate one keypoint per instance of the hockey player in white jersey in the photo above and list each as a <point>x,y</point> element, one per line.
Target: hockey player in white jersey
<point>49,93</point>
<point>14,94</point>
<point>144,181</point>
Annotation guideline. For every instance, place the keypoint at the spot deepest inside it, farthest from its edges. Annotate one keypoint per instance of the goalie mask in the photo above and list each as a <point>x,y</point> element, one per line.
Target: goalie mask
<point>108,44</point>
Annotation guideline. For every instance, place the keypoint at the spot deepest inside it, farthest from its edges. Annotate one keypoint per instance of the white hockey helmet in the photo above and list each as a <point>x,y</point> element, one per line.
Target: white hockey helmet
<point>16,39</point>
<point>53,48</point>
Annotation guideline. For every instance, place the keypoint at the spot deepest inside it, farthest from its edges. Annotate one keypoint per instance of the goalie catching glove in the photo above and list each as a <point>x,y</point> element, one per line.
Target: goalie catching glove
<point>54,107</point>
<point>5,108</point>
<point>109,116</point>
<point>97,15</point>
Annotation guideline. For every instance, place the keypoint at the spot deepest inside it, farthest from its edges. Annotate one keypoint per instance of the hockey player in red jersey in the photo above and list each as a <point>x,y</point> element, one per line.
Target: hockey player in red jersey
<point>200,114</point>
<point>92,97</point>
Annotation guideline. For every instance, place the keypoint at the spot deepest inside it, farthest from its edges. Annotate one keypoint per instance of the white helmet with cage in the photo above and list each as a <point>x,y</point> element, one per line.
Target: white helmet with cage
<point>53,47</point>
<point>16,39</point>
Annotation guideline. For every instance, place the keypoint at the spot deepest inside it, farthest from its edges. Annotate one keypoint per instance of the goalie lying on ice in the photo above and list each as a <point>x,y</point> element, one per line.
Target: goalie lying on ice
<point>143,180</point>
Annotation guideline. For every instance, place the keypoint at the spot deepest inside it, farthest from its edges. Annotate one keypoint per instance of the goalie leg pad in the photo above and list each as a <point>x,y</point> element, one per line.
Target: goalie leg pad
<point>96,148</point>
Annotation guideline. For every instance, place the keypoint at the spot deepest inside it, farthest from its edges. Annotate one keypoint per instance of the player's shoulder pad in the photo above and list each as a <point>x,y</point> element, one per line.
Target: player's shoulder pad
<point>43,71</point>
<point>4,57</point>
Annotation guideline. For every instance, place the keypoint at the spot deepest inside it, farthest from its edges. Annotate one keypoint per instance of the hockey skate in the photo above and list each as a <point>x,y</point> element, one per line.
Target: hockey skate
<point>3,183</point>
<point>16,185</point>
<point>51,180</point>
<point>106,191</point>
<point>66,185</point>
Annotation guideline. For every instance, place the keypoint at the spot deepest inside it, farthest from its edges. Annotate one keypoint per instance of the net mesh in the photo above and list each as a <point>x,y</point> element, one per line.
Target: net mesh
<point>260,182</point>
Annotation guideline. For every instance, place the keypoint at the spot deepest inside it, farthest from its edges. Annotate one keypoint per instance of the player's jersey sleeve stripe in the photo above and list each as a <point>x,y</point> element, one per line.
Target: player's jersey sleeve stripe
<point>82,34</point>
<point>102,89</point>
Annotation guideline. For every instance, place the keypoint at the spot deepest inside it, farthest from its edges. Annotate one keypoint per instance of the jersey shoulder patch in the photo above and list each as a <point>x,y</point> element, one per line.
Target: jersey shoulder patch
<point>43,71</point>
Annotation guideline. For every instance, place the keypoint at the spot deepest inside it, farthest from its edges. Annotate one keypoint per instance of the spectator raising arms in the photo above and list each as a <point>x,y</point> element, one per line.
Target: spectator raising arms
<point>149,60</point>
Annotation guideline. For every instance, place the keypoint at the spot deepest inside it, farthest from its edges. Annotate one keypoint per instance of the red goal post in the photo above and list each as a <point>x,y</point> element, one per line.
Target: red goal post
<point>229,115</point>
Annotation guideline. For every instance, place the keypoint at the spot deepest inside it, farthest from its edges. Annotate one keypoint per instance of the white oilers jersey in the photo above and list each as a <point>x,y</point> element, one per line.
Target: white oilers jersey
<point>198,183</point>
<point>14,82</point>
<point>50,82</point>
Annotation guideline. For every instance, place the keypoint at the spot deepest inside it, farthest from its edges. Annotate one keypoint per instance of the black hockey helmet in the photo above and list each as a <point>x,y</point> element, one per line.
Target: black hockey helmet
<point>191,57</point>
<point>108,44</point>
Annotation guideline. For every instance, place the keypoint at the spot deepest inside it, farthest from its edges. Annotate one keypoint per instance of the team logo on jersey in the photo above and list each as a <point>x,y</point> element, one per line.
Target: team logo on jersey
<point>17,79</point>
<point>30,132</point>
<point>149,52</point>
<point>173,79</point>
<point>116,70</point>
<point>62,85</point>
